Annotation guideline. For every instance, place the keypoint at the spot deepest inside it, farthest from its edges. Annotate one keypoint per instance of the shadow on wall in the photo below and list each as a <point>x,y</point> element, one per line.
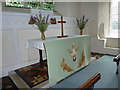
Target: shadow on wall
<point>91,28</point>
<point>100,32</point>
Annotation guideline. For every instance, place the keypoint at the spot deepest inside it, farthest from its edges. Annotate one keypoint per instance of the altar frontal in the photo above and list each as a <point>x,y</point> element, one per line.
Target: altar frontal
<point>66,56</point>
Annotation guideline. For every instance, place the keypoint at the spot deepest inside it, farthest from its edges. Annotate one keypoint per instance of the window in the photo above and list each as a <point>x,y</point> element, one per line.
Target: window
<point>45,4</point>
<point>115,23</point>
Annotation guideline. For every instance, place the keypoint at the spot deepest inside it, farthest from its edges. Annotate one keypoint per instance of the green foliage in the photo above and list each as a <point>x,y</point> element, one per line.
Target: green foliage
<point>81,22</point>
<point>41,26</point>
<point>41,22</point>
<point>31,4</point>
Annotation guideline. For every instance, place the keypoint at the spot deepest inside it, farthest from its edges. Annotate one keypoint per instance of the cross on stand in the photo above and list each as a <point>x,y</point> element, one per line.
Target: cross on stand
<point>62,34</point>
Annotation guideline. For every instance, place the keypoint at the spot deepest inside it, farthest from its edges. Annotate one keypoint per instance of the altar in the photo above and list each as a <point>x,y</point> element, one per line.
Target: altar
<point>64,56</point>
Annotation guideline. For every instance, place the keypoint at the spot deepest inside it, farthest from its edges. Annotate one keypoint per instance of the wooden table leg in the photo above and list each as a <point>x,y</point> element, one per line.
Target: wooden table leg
<point>117,67</point>
<point>41,61</point>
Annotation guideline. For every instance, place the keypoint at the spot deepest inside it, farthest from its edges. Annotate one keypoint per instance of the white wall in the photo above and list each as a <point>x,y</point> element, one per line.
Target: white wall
<point>90,10</point>
<point>101,46</point>
<point>77,9</point>
<point>113,42</point>
<point>98,25</point>
<point>97,12</point>
<point>0,39</point>
<point>104,18</point>
<point>71,9</point>
<point>16,32</point>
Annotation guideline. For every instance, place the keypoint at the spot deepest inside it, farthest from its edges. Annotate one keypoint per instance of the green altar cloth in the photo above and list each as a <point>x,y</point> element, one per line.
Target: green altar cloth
<point>66,55</point>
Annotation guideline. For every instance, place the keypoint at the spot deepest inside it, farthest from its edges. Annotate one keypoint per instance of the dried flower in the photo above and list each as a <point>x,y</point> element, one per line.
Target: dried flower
<point>41,22</point>
<point>81,22</point>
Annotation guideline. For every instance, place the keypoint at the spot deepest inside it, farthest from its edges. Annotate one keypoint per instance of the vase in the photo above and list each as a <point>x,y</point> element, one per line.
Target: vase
<point>81,32</point>
<point>42,35</point>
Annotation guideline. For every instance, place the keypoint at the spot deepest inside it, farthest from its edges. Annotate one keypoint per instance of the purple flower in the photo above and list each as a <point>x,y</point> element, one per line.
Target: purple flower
<point>37,18</point>
<point>40,16</point>
<point>47,19</point>
<point>77,21</point>
<point>34,18</point>
<point>83,17</point>
<point>87,20</point>
<point>81,22</point>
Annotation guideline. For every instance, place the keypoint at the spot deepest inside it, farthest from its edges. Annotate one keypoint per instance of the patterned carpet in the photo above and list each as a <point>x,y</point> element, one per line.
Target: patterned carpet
<point>31,74</point>
<point>96,55</point>
<point>7,83</point>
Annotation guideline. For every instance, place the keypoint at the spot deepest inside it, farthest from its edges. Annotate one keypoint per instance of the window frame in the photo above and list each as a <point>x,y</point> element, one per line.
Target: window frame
<point>112,32</point>
<point>43,6</point>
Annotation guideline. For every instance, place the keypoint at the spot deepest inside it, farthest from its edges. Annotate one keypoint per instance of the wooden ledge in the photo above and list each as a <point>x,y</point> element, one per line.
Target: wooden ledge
<point>90,82</point>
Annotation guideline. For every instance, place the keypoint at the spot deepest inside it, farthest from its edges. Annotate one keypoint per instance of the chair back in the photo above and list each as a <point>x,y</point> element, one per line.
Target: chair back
<point>90,83</point>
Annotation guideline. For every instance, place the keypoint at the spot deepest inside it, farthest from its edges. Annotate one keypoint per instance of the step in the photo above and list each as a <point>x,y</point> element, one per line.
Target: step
<point>19,82</point>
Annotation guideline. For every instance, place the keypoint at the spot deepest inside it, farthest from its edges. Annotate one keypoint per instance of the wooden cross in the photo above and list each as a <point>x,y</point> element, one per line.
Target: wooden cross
<point>62,33</point>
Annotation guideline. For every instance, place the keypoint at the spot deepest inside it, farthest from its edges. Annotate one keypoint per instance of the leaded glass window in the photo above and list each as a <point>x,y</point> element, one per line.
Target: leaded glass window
<point>44,4</point>
<point>115,16</point>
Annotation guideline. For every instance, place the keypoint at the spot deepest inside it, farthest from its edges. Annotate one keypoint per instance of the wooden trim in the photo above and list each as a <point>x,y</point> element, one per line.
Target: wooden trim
<point>91,81</point>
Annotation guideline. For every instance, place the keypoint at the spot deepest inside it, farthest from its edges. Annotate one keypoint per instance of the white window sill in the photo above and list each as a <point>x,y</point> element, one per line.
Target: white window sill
<point>112,36</point>
<point>115,33</point>
<point>114,48</point>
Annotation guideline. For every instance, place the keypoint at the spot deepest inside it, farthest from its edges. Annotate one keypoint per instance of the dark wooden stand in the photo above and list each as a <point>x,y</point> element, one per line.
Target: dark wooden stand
<point>117,60</point>
<point>41,61</point>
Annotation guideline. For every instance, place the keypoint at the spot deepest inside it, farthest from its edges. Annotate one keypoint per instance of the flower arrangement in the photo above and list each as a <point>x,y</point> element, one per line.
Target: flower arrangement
<point>41,22</point>
<point>81,23</point>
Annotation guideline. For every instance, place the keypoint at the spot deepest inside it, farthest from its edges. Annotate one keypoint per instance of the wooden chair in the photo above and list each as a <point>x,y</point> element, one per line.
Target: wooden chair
<point>117,60</point>
<point>90,83</point>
